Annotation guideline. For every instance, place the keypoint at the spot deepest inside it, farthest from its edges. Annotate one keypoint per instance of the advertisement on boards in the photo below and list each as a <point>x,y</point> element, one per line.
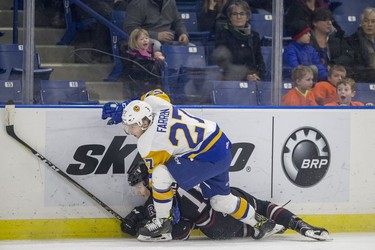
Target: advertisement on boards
<point>278,155</point>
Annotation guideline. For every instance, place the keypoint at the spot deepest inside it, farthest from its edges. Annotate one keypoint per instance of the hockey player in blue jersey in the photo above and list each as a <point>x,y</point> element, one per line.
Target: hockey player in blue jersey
<point>179,147</point>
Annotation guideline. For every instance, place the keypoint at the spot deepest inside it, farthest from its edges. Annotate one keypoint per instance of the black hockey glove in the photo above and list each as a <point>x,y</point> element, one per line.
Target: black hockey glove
<point>132,221</point>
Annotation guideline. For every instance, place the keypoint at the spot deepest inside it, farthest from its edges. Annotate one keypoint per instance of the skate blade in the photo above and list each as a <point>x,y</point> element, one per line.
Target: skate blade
<point>275,230</point>
<point>163,237</point>
<point>322,237</point>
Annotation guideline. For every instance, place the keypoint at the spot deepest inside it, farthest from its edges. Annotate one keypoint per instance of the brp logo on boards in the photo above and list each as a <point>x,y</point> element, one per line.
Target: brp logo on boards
<point>306,157</point>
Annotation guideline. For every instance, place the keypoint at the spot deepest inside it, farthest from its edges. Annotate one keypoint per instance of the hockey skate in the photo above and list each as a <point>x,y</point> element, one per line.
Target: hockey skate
<point>307,230</point>
<point>265,227</point>
<point>156,230</point>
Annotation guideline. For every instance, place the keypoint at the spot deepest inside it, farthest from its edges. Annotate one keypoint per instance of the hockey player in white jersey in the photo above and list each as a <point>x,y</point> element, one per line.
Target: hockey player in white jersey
<point>179,147</point>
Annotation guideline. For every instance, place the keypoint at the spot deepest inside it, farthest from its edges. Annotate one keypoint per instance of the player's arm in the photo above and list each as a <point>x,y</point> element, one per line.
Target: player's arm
<point>113,110</point>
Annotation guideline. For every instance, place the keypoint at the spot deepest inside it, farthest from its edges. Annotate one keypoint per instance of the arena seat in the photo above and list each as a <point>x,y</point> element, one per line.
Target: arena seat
<point>191,24</point>
<point>177,56</point>
<point>261,23</point>
<point>353,8</point>
<point>10,90</point>
<point>194,84</point>
<point>240,93</point>
<point>65,92</point>
<point>349,24</point>
<point>11,62</point>
<point>365,92</point>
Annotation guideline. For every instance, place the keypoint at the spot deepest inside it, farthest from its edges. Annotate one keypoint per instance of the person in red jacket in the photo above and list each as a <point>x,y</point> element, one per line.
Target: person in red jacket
<point>325,91</point>
<point>345,92</point>
<point>301,95</point>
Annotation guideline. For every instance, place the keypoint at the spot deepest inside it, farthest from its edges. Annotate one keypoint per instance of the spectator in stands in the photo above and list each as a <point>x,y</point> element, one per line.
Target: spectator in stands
<point>363,44</point>
<point>332,49</point>
<point>346,89</point>
<point>301,95</point>
<point>302,10</point>
<point>142,64</point>
<point>160,18</point>
<point>213,13</point>
<point>211,18</point>
<point>242,42</point>
<point>325,91</point>
<point>300,52</point>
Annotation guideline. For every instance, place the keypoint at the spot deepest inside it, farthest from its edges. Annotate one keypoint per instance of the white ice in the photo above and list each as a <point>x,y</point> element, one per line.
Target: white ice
<point>340,241</point>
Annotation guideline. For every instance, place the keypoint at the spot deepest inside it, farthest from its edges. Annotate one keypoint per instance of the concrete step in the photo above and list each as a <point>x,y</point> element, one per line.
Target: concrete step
<point>43,36</point>
<point>6,4</point>
<point>107,91</point>
<point>6,18</point>
<point>76,71</point>
<point>56,53</point>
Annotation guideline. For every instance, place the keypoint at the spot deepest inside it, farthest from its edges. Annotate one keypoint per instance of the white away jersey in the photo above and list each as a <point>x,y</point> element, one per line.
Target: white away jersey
<point>174,132</point>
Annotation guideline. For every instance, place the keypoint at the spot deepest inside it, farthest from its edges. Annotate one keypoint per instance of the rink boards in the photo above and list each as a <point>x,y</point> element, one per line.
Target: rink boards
<point>320,159</point>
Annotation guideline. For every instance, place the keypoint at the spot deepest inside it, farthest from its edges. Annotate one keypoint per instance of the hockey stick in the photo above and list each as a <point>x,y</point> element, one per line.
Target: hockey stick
<point>9,123</point>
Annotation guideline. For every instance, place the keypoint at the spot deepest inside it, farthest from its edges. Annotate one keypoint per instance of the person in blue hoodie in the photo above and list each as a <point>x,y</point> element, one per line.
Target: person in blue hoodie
<point>300,52</point>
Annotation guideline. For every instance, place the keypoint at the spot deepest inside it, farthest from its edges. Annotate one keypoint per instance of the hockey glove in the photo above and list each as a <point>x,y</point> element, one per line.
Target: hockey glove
<point>113,110</point>
<point>133,221</point>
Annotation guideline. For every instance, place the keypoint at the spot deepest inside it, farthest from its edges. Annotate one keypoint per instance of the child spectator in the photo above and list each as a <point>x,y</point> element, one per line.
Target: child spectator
<point>325,91</point>
<point>142,65</point>
<point>299,52</point>
<point>301,95</point>
<point>345,92</point>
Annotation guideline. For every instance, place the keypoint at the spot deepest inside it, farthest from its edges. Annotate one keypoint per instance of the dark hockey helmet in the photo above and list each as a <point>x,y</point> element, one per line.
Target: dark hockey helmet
<point>138,173</point>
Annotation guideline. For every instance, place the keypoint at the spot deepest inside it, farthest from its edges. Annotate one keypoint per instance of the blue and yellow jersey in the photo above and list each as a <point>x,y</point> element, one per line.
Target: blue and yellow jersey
<point>176,133</point>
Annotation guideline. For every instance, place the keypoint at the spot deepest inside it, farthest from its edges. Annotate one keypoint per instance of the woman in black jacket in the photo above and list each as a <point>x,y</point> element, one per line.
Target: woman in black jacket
<point>242,42</point>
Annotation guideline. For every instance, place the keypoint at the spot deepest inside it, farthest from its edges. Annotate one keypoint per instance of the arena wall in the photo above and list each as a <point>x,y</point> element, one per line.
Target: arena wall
<point>319,159</point>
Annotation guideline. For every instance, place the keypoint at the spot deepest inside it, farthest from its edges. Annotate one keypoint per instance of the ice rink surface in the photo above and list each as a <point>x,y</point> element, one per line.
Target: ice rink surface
<point>340,241</point>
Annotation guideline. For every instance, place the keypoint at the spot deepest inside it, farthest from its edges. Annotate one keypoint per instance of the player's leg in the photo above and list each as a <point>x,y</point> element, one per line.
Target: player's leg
<point>241,210</point>
<point>160,228</point>
<point>283,216</point>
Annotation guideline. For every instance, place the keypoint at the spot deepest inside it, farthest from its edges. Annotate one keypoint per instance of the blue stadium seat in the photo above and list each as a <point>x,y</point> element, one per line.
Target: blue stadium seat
<point>189,5</point>
<point>10,90</point>
<point>365,93</point>
<point>264,93</point>
<point>265,89</point>
<point>261,23</point>
<point>352,7</point>
<point>234,93</point>
<point>65,92</point>
<point>11,60</point>
<point>191,24</point>
<point>177,56</point>
<point>118,18</point>
<point>194,84</point>
<point>286,87</point>
<point>267,58</point>
<point>349,24</point>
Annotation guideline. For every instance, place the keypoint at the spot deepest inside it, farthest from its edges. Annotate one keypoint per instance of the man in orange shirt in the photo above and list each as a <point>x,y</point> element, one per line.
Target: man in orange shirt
<point>301,95</point>
<point>325,91</point>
